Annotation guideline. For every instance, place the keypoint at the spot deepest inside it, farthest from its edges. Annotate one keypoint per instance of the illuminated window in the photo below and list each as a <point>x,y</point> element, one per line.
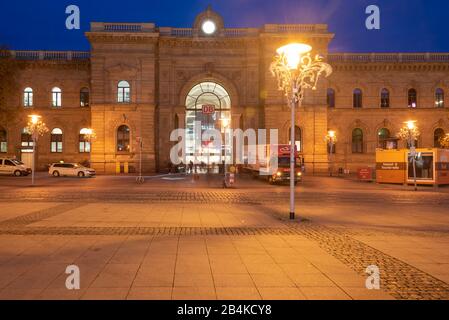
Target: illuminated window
<point>357,99</point>
<point>84,142</point>
<point>357,141</point>
<point>439,98</point>
<point>412,98</point>
<point>437,135</point>
<point>123,139</point>
<point>385,141</point>
<point>56,141</point>
<point>28,97</point>
<point>124,92</point>
<point>3,141</point>
<point>84,97</point>
<point>331,98</point>
<point>26,139</point>
<point>56,97</point>
<point>208,107</point>
<point>385,98</point>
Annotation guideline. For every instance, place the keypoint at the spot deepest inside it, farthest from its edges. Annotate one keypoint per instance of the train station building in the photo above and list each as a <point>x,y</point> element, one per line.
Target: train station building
<point>140,81</point>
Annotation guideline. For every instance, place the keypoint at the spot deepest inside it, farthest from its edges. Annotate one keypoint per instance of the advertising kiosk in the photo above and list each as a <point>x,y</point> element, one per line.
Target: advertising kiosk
<point>395,166</point>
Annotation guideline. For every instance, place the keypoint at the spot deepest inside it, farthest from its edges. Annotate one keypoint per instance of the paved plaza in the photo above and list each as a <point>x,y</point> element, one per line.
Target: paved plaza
<point>172,238</point>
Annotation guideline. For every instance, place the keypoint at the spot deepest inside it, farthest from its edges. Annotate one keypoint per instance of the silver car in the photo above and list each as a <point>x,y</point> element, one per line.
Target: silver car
<point>70,169</point>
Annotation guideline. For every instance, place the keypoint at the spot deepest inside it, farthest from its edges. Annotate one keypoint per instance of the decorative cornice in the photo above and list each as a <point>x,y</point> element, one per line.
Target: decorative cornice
<point>204,43</point>
<point>48,64</point>
<point>105,37</point>
<point>410,67</point>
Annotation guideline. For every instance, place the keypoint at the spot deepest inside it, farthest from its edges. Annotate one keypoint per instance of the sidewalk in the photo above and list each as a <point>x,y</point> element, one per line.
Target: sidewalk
<point>171,266</point>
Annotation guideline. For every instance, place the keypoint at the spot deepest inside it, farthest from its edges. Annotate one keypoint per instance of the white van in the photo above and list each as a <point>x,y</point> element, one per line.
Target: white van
<point>13,167</point>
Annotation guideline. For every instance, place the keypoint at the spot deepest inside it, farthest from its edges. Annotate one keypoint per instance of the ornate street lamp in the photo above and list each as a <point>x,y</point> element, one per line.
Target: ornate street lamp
<point>296,71</point>
<point>35,128</point>
<point>331,139</point>
<point>409,133</point>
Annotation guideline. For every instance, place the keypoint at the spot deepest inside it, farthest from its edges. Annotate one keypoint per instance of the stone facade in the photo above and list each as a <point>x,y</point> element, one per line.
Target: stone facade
<point>162,65</point>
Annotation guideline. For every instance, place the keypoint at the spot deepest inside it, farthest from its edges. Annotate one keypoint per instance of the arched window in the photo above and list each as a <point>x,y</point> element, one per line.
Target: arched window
<point>437,135</point>
<point>123,139</point>
<point>84,141</point>
<point>298,138</point>
<point>28,97</point>
<point>412,98</point>
<point>26,139</point>
<point>331,98</point>
<point>383,137</point>
<point>84,97</point>
<point>3,141</point>
<point>357,140</point>
<point>385,98</point>
<point>56,95</point>
<point>357,99</point>
<point>124,92</point>
<point>56,141</point>
<point>208,107</point>
<point>439,98</point>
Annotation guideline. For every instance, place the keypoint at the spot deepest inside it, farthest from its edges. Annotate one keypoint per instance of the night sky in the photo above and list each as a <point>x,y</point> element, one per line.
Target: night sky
<point>406,25</point>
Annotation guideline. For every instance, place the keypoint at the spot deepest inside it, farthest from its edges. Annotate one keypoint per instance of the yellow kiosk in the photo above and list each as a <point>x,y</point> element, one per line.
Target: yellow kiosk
<point>395,166</point>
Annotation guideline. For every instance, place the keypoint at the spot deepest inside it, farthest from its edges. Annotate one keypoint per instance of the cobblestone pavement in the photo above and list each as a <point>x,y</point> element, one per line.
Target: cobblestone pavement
<point>229,243</point>
<point>246,197</point>
<point>401,280</point>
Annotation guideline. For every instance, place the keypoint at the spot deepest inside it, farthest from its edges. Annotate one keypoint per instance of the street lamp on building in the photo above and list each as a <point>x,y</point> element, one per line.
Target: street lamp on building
<point>409,133</point>
<point>35,128</point>
<point>331,139</point>
<point>296,71</point>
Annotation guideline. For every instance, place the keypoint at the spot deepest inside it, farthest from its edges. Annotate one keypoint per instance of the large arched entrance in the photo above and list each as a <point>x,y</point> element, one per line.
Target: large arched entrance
<point>208,106</point>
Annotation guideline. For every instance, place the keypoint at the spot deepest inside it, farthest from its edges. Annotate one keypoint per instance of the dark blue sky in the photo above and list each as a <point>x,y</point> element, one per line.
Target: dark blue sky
<point>406,25</point>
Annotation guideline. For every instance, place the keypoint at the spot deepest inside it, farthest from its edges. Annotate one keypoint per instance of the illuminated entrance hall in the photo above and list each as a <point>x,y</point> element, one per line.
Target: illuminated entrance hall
<point>208,105</point>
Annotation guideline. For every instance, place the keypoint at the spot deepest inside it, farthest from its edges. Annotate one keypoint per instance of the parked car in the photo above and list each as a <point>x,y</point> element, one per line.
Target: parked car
<point>13,167</point>
<point>70,169</point>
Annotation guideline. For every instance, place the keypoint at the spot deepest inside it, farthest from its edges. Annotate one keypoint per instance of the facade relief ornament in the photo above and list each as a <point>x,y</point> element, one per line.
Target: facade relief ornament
<point>123,69</point>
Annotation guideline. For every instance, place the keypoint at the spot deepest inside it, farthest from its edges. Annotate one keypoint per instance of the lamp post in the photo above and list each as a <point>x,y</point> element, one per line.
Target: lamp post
<point>140,178</point>
<point>225,125</point>
<point>296,71</point>
<point>410,133</point>
<point>89,134</point>
<point>331,139</point>
<point>36,128</point>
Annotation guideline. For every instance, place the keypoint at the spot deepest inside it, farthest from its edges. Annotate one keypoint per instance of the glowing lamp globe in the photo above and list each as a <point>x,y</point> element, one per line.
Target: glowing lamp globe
<point>410,124</point>
<point>208,27</point>
<point>293,52</point>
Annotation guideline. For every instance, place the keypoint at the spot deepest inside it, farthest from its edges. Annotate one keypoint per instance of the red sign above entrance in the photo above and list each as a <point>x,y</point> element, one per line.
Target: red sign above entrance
<point>208,109</point>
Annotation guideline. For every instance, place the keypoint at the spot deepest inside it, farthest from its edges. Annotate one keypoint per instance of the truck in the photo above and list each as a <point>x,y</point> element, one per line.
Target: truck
<point>275,168</point>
